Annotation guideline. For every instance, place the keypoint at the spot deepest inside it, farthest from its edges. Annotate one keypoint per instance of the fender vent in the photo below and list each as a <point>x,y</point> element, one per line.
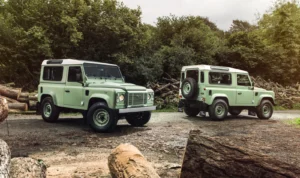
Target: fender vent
<point>210,92</point>
<point>87,92</point>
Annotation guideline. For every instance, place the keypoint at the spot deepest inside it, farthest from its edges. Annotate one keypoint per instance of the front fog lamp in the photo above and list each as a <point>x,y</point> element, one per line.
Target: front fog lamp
<point>121,98</point>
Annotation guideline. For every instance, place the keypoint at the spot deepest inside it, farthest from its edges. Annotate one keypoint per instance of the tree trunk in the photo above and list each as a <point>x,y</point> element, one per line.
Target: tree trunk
<point>9,92</point>
<point>208,157</point>
<point>4,159</point>
<point>19,106</point>
<point>127,161</point>
<point>3,109</point>
<point>27,167</point>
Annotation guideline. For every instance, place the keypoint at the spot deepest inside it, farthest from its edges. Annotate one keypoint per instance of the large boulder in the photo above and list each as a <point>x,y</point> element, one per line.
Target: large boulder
<point>3,109</point>
<point>126,161</point>
<point>4,159</point>
<point>27,168</point>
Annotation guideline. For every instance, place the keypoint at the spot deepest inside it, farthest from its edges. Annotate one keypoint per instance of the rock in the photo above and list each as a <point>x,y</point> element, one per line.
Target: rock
<point>3,109</point>
<point>27,168</point>
<point>4,159</point>
<point>126,161</point>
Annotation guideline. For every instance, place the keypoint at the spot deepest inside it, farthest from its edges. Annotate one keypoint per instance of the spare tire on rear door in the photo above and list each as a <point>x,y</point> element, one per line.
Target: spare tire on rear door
<point>189,88</point>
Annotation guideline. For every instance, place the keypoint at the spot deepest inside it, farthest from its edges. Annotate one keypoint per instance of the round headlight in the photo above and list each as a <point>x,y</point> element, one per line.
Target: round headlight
<point>149,96</point>
<point>121,98</point>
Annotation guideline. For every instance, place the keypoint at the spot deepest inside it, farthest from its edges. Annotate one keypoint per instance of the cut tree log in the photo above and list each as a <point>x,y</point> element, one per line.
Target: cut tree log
<point>23,100</point>
<point>24,95</point>
<point>19,106</point>
<point>209,157</point>
<point>27,167</point>
<point>9,100</point>
<point>3,109</point>
<point>9,92</point>
<point>4,160</point>
<point>127,161</point>
<point>163,87</point>
<point>33,98</point>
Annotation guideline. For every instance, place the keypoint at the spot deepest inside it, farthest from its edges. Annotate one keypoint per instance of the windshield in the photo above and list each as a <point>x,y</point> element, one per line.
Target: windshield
<point>102,71</point>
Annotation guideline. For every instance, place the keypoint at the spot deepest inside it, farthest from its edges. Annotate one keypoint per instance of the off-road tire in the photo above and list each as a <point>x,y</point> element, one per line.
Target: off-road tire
<point>235,112</point>
<point>189,88</point>
<point>218,110</point>
<point>192,112</point>
<point>49,111</point>
<point>101,118</point>
<point>138,119</point>
<point>265,110</point>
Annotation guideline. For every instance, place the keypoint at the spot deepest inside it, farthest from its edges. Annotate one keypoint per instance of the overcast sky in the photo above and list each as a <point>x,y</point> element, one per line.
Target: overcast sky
<point>221,12</point>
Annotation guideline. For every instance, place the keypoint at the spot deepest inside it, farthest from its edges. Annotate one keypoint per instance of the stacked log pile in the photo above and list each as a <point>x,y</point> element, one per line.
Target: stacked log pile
<point>285,96</point>
<point>18,100</point>
<point>166,92</point>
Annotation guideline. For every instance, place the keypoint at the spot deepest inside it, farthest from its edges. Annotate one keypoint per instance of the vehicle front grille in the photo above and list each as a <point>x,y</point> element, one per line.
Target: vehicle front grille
<point>137,99</point>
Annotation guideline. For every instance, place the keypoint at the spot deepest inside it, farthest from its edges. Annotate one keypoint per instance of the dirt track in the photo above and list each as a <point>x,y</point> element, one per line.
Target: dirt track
<point>71,149</point>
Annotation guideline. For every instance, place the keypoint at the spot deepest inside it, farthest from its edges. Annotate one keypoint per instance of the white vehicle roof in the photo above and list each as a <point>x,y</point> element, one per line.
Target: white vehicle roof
<point>214,68</point>
<point>70,62</point>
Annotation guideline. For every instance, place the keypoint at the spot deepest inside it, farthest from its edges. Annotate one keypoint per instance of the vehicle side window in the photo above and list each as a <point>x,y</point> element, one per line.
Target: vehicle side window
<point>75,74</point>
<point>202,77</point>
<point>243,80</point>
<point>53,73</point>
<point>182,76</point>
<point>220,78</point>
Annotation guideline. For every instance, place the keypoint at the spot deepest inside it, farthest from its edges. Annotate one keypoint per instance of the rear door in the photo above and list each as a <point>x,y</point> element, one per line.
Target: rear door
<point>244,93</point>
<point>73,92</point>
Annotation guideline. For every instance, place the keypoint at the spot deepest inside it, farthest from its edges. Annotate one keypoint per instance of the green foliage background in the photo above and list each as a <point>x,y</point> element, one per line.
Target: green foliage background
<point>108,31</point>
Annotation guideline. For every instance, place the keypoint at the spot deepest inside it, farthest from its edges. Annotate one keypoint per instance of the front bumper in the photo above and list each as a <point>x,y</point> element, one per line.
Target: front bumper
<point>141,109</point>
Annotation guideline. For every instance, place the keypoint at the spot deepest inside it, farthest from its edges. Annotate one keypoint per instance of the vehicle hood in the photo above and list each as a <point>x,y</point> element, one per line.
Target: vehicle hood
<point>259,89</point>
<point>124,86</point>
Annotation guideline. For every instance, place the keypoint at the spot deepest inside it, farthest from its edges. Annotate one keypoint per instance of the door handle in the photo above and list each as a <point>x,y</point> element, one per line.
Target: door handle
<point>68,91</point>
<point>239,93</point>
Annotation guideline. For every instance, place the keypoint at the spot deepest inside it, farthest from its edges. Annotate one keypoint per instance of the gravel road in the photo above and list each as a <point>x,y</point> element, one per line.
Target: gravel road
<point>71,149</point>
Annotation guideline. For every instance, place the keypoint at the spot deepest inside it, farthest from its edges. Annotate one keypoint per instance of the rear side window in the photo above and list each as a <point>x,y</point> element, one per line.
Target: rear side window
<point>53,73</point>
<point>202,77</point>
<point>243,80</point>
<point>220,78</point>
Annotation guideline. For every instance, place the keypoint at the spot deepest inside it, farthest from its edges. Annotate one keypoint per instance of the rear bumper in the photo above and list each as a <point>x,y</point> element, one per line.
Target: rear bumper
<point>193,104</point>
<point>142,109</point>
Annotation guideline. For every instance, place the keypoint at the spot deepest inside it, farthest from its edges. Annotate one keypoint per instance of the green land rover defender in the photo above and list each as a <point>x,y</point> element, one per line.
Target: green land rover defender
<point>97,90</point>
<point>219,90</point>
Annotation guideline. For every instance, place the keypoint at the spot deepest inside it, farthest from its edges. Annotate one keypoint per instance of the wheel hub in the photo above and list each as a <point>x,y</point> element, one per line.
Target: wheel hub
<point>220,110</point>
<point>47,109</point>
<point>101,117</point>
<point>266,110</point>
<point>187,88</point>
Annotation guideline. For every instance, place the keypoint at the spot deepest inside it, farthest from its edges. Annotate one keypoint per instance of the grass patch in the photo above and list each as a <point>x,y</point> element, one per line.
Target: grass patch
<point>295,122</point>
<point>168,109</point>
<point>279,108</point>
